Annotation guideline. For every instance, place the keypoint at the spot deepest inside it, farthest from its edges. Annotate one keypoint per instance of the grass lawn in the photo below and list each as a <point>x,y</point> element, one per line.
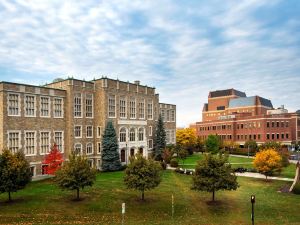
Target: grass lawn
<point>43,203</point>
<point>191,162</point>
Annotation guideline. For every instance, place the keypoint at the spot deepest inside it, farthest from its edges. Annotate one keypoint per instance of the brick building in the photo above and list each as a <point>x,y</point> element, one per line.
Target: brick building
<point>238,118</point>
<point>73,113</point>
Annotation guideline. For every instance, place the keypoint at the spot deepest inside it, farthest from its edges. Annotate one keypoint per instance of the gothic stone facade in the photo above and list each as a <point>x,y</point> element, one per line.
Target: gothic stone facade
<point>73,114</point>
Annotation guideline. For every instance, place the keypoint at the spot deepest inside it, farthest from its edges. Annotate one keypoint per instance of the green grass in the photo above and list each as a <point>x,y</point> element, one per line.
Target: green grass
<point>191,161</point>
<point>43,203</point>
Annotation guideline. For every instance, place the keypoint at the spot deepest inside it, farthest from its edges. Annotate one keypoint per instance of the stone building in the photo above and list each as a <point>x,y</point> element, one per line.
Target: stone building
<point>73,114</point>
<point>237,118</point>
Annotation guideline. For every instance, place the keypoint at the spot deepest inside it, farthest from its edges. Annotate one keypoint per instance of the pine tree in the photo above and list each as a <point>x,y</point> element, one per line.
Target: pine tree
<point>75,174</point>
<point>142,174</point>
<point>160,139</point>
<point>14,172</point>
<point>213,174</point>
<point>54,160</point>
<point>110,149</point>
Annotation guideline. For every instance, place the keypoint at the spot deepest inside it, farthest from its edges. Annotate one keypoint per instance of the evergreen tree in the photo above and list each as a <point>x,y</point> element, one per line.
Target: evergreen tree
<point>142,174</point>
<point>75,174</point>
<point>54,160</point>
<point>110,149</point>
<point>14,172</point>
<point>160,139</point>
<point>213,174</point>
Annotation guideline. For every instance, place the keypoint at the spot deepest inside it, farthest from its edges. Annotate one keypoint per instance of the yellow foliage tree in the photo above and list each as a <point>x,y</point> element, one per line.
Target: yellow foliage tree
<point>267,162</point>
<point>186,138</point>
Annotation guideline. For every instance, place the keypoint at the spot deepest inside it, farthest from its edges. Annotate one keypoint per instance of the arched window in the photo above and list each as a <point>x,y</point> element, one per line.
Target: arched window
<point>89,148</point>
<point>132,152</point>
<point>132,134</point>
<point>78,148</point>
<point>141,134</point>
<point>123,134</point>
<point>123,155</point>
<point>141,150</point>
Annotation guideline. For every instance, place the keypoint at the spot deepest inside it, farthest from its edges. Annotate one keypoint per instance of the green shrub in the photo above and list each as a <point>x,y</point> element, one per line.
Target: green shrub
<point>296,189</point>
<point>174,162</point>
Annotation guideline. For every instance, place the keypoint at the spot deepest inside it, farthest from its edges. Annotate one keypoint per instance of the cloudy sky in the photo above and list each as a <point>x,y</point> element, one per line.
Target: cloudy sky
<point>183,48</point>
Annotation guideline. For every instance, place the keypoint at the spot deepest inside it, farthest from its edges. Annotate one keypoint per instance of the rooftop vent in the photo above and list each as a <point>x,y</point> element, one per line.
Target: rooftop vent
<point>137,82</point>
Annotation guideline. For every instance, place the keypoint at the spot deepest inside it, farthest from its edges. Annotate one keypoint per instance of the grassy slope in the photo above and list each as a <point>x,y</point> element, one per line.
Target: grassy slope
<point>43,203</point>
<point>191,161</point>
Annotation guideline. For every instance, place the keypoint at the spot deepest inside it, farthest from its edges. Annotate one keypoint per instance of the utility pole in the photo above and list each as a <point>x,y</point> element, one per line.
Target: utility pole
<point>252,213</point>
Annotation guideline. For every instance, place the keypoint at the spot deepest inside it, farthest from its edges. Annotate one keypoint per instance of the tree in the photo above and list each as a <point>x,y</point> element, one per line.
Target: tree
<point>110,152</point>
<point>199,147</point>
<point>142,174</point>
<point>182,154</point>
<point>54,160</point>
<point>187,139</point>
<point>14,172</point>
<point>214,173</point>
<point>283,152</point>
<point>167,155</point>
<point>160,139</point>
<point>267,162</point>
<point>212,144</point>
<point>252,145</point>
<point>270,145</point>
<point>75,174</point>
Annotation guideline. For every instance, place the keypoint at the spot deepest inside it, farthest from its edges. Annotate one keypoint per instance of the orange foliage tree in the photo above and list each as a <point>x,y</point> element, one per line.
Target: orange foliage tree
<point>54,160</point>
<point>267,162</point>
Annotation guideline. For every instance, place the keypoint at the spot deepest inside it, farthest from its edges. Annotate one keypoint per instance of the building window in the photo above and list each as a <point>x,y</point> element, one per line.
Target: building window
<point>142,109</point>
<point>286,136</point>
<point>162,113</point>
<point>29,105</point>
<point>89,106</point>
<point>123,134</point>
<point>273,136</point>
<point>112,106</point>
<point>122,107</point>
<point>14,141</point>
<point>44,142</point>
<point>168,136</point>
<point>268,124</point>
<point>150,143</point>
<point>32,171</point>
<point>258,136</point>
<point>268,136</point>
<point>13,104</point>
<point>132,108</point>
<point>77,105</point>
<point>172,115</point>
<point>286,124</point>
<point>141,134</point>
<point>58,107</point>
<point>59,140</point>
<point>282,136</point>
<point>89,148</point>
<point>282,124</point>
<point>98,132</point>
<point>77,132</point>
<point>45,107</point>
<point>89,131</point>
<point>98,147</point>
<point>173,136</point>
<point>150,130</point>
<point>150,110</point>
<point>277,136</point>
<point>273,124</point>
<point>77,148</point>
<point>277,124</point>
<point>30,143</point>
<point>168,115</point>
<point>132,134</point>
<point>123,155</point>
<point>91,163</point>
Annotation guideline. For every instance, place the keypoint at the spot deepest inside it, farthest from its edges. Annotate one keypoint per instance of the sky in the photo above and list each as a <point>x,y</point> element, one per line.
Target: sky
<point>183,48</point>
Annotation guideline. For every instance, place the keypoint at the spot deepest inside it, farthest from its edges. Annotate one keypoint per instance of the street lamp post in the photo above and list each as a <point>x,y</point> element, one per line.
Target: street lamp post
<point>252,202</point>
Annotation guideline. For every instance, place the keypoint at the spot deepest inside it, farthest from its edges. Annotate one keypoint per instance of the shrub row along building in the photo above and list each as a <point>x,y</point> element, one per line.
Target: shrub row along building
<point>238,118</point>
<point>73,113</point>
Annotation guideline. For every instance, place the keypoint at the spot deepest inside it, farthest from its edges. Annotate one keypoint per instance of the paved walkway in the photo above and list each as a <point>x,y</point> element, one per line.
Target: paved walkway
<point>249,174</point>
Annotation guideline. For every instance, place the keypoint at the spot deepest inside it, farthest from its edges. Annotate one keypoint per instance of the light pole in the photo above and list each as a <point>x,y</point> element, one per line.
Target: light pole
<point>252,202</point>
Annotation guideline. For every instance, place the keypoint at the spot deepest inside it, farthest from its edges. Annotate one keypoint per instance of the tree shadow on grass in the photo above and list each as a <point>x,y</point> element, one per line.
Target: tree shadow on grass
<point>14,201</point>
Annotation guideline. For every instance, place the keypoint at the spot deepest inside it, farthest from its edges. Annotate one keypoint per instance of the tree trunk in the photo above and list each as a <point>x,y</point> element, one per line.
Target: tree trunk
<point>77,193</point>
<point>266,177</point>
<point>143,196</point>
<point>9,196</point>
<point>213,196</point>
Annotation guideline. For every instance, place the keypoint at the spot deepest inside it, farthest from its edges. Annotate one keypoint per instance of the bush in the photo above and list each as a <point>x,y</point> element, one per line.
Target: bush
<point>242,151</point>
<point>163,165</point>
<point>174,162</point>
<point>240,170</point>
<point>296,189</point>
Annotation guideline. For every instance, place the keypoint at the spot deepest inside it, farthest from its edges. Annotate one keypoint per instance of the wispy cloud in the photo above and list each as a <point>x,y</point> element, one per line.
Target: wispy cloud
<point>185,49</point>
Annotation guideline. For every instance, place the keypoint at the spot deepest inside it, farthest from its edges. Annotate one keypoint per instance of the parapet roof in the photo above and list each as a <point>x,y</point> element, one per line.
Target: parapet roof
<point>226,92</point>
